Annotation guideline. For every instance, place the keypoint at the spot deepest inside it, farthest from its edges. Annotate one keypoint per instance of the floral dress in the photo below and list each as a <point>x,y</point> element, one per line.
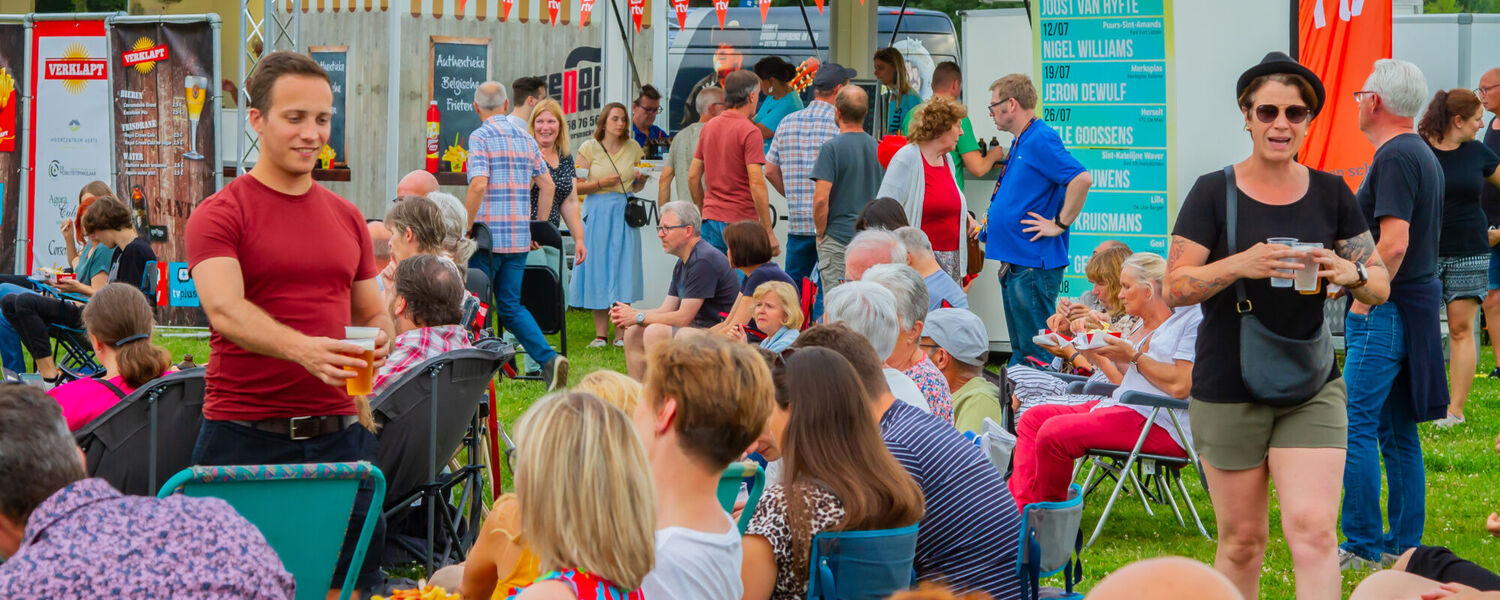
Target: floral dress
<point>586,586</point>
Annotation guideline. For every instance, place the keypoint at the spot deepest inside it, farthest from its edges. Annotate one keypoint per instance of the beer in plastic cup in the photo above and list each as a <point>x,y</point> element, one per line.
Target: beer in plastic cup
<point>361,333</point>
<point>1286,274</point>
<point>363,381</point>
<point>1306,280</point>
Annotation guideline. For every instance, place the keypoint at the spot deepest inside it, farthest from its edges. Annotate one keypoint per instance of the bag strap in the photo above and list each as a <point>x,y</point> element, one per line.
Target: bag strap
<point>112,387</point>
<point>611,160</point>
<point>1231,208</point>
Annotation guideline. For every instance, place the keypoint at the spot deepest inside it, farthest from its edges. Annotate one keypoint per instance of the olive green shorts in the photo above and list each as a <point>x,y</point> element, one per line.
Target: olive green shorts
<point>1237,436</point>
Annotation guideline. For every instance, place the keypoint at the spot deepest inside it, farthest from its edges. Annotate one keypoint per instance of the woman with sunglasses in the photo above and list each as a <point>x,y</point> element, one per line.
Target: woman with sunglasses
<point>1247,440</point>
<point>1452,121</point>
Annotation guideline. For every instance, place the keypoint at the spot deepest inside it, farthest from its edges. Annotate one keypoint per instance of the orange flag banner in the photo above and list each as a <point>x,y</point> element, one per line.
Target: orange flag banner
<point>1340,40</point>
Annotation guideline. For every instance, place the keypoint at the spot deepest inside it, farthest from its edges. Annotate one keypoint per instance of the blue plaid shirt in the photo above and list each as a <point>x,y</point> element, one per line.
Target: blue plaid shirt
<point>795,149</point>
<point>509,157</point>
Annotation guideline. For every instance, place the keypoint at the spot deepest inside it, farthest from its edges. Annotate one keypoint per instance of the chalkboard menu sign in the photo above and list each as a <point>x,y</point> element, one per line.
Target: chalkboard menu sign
<point>335,60</point>
<point>459,65</point>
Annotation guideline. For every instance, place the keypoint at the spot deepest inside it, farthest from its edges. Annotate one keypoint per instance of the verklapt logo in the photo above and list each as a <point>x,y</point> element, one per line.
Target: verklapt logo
<point>75,69</point>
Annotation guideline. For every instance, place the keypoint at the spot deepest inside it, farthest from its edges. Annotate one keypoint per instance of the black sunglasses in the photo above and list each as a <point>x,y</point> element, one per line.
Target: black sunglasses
<point>1295,113</point>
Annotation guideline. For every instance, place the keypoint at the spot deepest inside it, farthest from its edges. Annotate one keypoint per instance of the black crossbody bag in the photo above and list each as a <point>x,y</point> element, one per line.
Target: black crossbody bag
<point>1278,370</point>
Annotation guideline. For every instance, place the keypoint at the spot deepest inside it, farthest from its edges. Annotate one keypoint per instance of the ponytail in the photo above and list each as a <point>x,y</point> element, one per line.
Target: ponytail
<point>119,316</point>
<point>1445,105</point>
<point>140,361</point>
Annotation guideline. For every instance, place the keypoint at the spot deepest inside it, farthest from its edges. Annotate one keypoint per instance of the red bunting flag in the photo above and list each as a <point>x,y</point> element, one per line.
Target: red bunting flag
<point>553,6</point>
<point>505,9</point>
<point>765,7</point>
<point>820,6</point>
<point>721,7</point>
<point>680,7</point>
<point>584,8</point>
<point>637,11</point>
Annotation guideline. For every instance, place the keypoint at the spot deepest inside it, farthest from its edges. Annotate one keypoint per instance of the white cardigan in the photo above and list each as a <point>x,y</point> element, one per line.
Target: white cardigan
<point>906,181</point>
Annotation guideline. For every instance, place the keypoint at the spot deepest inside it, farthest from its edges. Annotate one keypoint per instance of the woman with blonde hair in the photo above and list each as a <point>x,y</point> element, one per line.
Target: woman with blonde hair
<point>776,314</point>
<point>614,387</point>
<point>920,177</point>
<point>890,69</point>
<point>615,273</point>
<point>587,503</point>
<point>550,128</point>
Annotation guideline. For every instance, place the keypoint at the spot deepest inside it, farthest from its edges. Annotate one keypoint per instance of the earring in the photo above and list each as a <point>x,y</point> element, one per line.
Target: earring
<point>1247,128</point>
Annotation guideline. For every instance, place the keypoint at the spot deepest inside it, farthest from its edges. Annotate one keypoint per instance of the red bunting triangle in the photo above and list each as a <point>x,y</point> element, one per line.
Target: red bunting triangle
<point>584,8</point>
<point>765,7</point>
<point>681,7</point>
<point>820,6</point>
<point>637,11</point>
<point>721,7</point>
<point>505,9</point>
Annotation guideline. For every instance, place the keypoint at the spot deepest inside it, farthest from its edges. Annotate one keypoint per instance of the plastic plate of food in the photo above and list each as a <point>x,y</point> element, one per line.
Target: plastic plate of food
<point>1047,337</point>
<point>1094,339</point>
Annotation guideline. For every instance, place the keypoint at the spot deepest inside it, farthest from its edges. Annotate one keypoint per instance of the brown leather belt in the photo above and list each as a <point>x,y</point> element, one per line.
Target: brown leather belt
<point>303,428</point>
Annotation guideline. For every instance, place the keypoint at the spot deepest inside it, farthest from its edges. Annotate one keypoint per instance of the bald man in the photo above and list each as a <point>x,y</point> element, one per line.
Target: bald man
<point>1167,578</point>
<point>417,183</point>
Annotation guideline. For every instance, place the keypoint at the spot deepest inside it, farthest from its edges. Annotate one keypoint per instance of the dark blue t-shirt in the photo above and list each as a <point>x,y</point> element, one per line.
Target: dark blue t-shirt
<point>706,274</point>
<point>1035,179</point>
<point>766,272</point>
<point>1406,182</point>
<point>1464,171</point>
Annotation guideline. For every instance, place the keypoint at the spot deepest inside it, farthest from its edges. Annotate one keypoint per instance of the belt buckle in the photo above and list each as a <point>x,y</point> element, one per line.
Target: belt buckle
<point>292,428</point>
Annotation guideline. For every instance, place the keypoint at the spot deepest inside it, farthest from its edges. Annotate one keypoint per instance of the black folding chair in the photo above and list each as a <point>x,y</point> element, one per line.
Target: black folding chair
<point>542,291</point>
<point>147,437</point>
<point>436,405</point>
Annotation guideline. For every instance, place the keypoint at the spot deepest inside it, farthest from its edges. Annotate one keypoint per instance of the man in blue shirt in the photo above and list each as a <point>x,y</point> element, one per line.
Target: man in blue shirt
<point>1039,195</point>
<point>643,113</point>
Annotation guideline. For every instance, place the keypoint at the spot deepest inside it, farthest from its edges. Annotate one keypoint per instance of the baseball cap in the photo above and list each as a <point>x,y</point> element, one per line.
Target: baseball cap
<point>830,75</point>
<point>959,333</point>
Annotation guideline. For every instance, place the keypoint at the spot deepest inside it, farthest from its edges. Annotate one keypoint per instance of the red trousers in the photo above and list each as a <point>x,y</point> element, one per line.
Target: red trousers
<point>1050,437</point>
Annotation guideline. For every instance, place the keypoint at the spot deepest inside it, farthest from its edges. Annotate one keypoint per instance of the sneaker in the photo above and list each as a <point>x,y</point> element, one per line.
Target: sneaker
<point>1495,374</point>
<point>599,342</point>
<point>620,343</point>
<point>1448,420</point>
<point>555,372</point>
<point>1349,561</point>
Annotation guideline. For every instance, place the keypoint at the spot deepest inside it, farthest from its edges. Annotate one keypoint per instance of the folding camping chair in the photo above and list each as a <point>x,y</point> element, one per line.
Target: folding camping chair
<point>729,489</point>
<point>1160,471</point>
<point>150,434</point>
<point>1050,543</point>
<point>542,291</point>
<point>71,349</point>
<point>436,404</point>
<point>861,565</point>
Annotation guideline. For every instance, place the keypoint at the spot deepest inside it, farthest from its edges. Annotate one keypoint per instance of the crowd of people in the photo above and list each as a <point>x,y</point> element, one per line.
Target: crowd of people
<point>861,395</point>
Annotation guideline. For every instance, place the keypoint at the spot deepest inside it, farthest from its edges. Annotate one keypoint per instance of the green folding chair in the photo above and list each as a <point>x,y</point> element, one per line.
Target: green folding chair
<point>729,489</point>
<point>303,510</point>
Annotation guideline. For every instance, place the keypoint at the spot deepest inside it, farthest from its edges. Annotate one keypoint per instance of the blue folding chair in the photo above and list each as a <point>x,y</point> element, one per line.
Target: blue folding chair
<point>71,349</point>
<point>302,509</point>
<point>1050,543</point>
<point>861,565</point>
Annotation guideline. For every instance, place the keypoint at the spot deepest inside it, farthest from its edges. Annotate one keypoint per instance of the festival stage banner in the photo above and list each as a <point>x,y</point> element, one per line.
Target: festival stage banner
<point>1340,40</point>
<point>12,77</point>
<point>69,139</point>
<point>1105,84</point>
<point>165,96</point>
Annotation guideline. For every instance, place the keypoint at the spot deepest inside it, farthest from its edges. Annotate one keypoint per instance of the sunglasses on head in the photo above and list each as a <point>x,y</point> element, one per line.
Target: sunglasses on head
<point>1295,113</point>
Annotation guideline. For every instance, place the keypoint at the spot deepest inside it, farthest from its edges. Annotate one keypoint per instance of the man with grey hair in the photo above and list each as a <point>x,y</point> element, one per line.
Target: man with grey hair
<point>869,248</point>
<point>703,289</point>
<point>911,310</point>
<point>956,342</point>
<point>847,175</point>
<point>67,536</point>
<point>504,163</point>
<point>869,309</point>
<point>710,102</point>
<point>942,290</point>
<point>727,179</point>
<point>1402,200</point>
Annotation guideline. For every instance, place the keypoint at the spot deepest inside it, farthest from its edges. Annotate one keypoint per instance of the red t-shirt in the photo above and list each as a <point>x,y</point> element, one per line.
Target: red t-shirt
<point>726,144</point>
<point>941,203</point>
<point>300,256</point>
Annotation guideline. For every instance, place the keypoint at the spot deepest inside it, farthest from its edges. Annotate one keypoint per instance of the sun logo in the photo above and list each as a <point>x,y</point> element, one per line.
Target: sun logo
<point>76,52</point>
<point>144,43</point>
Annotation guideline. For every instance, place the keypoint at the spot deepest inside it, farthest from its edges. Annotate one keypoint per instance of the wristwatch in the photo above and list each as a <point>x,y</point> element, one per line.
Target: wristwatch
<point>1057,220</point>
<point>1364,277</point>
<point>640,318</point>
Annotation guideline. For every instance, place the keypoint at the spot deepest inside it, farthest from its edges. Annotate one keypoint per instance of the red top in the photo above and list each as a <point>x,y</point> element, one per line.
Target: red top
<point>941,203</point>
<point>300,256</point>
<point>726,144</point>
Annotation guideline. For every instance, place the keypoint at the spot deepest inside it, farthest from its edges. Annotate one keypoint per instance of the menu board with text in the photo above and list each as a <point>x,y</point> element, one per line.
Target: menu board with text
<point>459,65</point>
<point>335,61</point>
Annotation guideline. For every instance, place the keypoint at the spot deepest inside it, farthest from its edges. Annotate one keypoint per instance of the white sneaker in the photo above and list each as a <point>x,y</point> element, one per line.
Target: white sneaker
<point>599,343</point>
<point>1449,421</point>
<point>620,343</point>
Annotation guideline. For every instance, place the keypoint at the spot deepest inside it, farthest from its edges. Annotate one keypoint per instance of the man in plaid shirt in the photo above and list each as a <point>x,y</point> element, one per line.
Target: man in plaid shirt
<point>789,165</point>
<point>504,163</point>
<point>428,309</point>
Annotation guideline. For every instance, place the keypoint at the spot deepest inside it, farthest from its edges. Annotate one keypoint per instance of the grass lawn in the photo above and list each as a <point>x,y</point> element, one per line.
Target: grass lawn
<point>1462,475</point>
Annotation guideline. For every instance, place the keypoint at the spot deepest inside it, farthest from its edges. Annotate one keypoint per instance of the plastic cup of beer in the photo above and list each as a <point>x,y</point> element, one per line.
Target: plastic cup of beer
<point>1306,279</point>
<point>1285,281</point>
<point>361,333</point>
<point>364,377</point>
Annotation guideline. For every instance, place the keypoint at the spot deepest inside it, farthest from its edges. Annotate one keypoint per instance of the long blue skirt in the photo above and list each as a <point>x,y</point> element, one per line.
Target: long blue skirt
<point>611,272</point>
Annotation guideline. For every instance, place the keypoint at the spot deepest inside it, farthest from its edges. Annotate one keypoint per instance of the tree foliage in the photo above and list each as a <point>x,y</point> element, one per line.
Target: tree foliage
<point>1461,6</point>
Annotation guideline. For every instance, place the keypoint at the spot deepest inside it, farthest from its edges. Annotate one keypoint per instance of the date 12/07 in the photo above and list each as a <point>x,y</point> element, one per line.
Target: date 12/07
<point>1055,28</point>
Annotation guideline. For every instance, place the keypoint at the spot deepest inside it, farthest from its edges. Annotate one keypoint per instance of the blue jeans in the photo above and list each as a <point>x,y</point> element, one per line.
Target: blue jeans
<point>10,343</point>
<point>1029,296</point>
<point>1376,351</point>
<point>508,269</point>
<point>713,233</point>
<point>801,260</point>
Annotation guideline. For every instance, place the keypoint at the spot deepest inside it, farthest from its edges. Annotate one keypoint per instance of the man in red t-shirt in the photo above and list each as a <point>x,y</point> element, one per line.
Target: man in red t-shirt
<point>282,265</point>
<point>727,178</point>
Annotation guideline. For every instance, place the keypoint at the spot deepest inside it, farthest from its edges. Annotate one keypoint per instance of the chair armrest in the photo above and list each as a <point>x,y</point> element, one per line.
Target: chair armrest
<point>1134,398</point>
<point>1092,388</point>
<point>1068,377</point>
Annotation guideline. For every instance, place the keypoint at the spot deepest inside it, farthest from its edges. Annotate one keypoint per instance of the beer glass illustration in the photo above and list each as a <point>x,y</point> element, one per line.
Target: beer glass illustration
<point>197,93</point>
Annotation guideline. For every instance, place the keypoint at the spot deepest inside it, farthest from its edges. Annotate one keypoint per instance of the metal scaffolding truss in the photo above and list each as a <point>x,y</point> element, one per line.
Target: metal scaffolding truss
<point>274,30</point>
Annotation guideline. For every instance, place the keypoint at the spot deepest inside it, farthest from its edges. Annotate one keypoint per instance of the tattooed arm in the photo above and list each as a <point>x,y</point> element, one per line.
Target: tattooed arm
<point>1361,249</point>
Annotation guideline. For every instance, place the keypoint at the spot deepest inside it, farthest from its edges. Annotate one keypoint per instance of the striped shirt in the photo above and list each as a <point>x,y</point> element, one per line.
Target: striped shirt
<point>509,157</point>
<point>795,149</point>
<point>968,536</point>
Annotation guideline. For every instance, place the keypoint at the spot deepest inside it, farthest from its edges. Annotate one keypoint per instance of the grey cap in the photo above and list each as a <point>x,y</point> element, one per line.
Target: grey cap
<point>831,75</point>
<point>959,333</point>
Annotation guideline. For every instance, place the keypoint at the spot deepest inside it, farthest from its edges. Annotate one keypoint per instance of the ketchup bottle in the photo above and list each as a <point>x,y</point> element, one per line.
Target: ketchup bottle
<point>433,117</point>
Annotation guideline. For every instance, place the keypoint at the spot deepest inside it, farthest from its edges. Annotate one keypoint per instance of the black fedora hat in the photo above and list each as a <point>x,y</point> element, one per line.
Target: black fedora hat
<point>1279,62</point>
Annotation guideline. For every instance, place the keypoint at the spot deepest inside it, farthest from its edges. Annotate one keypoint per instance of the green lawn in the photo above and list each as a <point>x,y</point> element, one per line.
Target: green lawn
<point>1462,467</point>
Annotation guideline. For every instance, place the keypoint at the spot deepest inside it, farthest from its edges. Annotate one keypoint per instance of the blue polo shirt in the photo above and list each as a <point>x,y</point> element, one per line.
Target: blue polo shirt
<point>1035,180</point>
<point>641,137</point>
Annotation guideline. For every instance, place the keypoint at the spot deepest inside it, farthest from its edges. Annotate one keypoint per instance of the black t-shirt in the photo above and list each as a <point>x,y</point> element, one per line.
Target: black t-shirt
<point>706,274</point>
<point>766,272</point>
<point>129,266</point>
<point>1405,181</point>
<point>1464,223</point>
<point>1327,213</point>
<point>1489,197</point>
